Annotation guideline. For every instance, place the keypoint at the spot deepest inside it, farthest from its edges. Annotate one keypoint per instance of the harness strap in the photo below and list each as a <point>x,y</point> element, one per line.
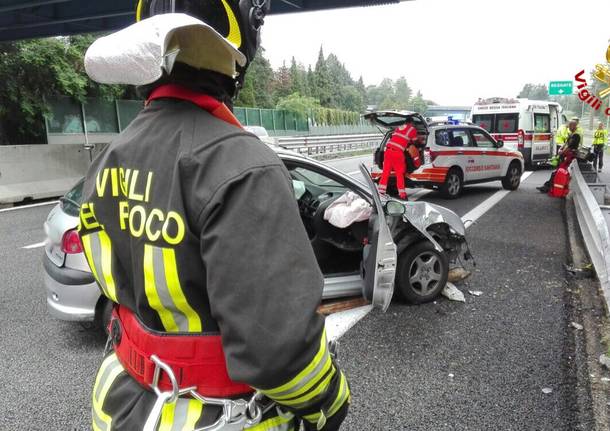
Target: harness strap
<point>205,102</point>
<point>196,360</point>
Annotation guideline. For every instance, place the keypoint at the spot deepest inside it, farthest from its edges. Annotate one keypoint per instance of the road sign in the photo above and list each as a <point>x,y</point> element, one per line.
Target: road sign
<point>560,88</point>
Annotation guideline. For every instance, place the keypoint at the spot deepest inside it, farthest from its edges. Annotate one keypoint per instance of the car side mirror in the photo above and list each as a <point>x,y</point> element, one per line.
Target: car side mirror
<point>394,208</point>
<point>500,143</point>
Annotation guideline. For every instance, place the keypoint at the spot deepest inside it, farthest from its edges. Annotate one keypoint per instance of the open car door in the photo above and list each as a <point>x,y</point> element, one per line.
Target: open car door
<point>379,260</point>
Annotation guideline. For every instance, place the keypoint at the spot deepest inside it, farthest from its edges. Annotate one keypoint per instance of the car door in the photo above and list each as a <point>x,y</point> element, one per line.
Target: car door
<point>490,160</point>
<point>379,255</point>
<point>461,152</point>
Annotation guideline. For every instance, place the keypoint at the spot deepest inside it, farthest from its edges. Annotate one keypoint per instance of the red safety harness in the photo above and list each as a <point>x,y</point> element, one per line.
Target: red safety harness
<point>196,360</point>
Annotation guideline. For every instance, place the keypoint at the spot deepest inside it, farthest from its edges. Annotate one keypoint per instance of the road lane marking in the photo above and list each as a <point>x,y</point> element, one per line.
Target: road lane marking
<point>477,212</point>
<point>37,245</point>
<point>22,207</point>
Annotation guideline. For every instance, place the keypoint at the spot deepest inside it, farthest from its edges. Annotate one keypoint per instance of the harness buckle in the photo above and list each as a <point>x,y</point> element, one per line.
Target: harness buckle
<point>236,416</point>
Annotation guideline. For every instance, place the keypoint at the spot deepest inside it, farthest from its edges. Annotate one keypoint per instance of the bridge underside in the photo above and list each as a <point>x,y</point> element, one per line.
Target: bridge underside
<point>27,19</point>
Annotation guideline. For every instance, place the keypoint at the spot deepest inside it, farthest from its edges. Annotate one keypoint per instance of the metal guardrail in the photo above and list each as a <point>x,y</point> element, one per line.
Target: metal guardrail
<point>318,146</point>
<point>594,228</point>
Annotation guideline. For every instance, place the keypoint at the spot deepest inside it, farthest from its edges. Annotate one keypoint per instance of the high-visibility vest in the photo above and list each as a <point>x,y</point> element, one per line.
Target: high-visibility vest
<point>402,137</point>
<point>600,137</point>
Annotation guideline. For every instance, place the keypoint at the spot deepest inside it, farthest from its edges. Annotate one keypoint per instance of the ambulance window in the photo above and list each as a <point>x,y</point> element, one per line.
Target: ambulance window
<point>542,123</point>
<point>482,140</point>
<point>507,123</point>
<point>442,138</point>
<point>460,138</point>
<point>484,122</point>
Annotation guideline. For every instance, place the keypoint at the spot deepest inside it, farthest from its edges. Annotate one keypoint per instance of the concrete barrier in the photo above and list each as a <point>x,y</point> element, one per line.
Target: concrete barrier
<point>41,171</point>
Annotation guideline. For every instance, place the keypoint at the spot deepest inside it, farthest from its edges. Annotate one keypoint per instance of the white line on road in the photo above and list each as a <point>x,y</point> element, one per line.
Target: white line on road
<point>27,206</point>
<point>37,245</point>
<point>477,212</point>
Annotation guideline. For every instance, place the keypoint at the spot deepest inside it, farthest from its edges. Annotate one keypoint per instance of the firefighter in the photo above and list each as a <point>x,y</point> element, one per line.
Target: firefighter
<point>567,130</point>
<point>403,142</point>
<point>600,139</point>
<point>215,294</point>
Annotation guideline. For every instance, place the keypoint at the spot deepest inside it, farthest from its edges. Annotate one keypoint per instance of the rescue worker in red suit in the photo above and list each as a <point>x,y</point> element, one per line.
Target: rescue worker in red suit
<point>566,156</point>
<point>397,148</point>
<point>180,222</point>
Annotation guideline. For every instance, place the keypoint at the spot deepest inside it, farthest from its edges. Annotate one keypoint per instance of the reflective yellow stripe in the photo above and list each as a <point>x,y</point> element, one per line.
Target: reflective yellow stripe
<point>111,368</point>
<point>301,402</point>
<point>274,424</point>
<point>195,409</point>
<point>343,395</point>
<point>167,417</point>
<point>173,285</point>
<point>289,389</point>
<point>139,11</point>
<point>151,292</point>
<point>106,246</point>
<point>86,240</point>
<point>234,35</point>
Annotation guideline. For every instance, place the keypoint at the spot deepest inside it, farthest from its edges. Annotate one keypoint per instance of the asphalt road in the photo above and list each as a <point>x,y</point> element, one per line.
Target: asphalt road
<point>481,365</point>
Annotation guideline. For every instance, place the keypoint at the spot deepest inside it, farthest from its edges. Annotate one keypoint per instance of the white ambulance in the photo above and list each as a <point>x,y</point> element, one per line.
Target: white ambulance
<point>522,124</point>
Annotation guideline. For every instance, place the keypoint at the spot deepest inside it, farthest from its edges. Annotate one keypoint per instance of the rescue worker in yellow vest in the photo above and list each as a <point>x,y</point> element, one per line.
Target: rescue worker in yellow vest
<point>190,227</point>
<point>567,130</point>
<point>600,139</point>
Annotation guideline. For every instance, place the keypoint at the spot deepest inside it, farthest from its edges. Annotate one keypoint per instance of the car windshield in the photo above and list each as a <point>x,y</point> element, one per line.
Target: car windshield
<point>70,202</point>
<point>312,178</point>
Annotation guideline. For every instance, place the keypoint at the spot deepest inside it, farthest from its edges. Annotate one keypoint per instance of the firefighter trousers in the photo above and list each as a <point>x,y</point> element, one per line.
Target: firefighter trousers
<point>394,161</point>
<point>120,403</point>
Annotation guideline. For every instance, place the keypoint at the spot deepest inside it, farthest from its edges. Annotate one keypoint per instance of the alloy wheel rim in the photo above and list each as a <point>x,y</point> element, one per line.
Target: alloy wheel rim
<point>454,184</point>
<point>425,273</point>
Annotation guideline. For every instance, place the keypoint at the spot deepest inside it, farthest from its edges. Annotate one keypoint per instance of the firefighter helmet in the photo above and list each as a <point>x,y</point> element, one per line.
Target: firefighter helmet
<point>239,21</point>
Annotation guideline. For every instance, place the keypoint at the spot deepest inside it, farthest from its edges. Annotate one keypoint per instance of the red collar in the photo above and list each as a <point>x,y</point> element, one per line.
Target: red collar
<point>208,103</point>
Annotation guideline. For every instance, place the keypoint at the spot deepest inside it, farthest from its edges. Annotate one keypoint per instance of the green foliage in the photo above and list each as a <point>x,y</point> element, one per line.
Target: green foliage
<point>259,81</point>
<point>34,71</point>
<point>534,92</point>
<point>298,103</point>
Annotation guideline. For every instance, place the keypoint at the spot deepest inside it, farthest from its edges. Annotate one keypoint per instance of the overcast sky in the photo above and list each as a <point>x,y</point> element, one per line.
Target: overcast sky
<point>454,51</point>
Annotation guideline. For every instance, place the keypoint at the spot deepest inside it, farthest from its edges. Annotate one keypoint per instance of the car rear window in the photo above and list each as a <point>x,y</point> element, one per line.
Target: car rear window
<point>70,202</point>
<point>442,138</point>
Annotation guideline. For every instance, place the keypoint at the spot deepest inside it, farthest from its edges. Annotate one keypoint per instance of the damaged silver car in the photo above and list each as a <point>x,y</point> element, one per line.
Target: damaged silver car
<point>429,238</point>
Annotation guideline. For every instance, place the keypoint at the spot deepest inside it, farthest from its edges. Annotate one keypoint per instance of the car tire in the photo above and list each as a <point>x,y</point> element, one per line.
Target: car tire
<point>453,185</point>
<point>421,274</point>
<point>513,177</point>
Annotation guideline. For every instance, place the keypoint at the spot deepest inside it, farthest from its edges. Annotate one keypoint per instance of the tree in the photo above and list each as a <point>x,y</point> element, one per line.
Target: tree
<point>35,71</point>
<point>534,92</point>
<point>418,104</point>
<point>298,103</point>
<point>350,99</point>
<point>298,78</point>
<point>260,79</point>
<point>402,93</point>
<point>323,91</point>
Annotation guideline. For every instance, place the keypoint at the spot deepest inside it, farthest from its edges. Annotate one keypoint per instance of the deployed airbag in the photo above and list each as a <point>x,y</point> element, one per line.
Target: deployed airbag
<point>348,209</point>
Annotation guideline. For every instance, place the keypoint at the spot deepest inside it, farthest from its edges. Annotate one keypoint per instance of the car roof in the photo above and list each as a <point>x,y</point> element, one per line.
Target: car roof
<point>455,126</point>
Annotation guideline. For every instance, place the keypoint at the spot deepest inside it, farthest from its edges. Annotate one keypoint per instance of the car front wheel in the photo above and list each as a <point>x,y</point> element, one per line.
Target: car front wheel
<point>513,177</point>
<point>422,273</point>
<point>452,188</point>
